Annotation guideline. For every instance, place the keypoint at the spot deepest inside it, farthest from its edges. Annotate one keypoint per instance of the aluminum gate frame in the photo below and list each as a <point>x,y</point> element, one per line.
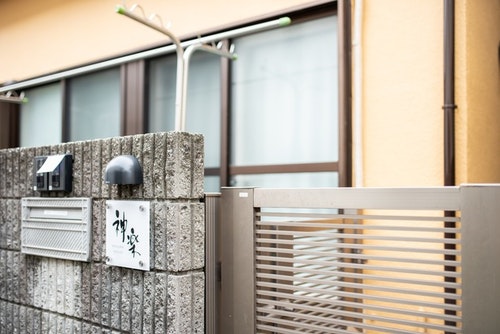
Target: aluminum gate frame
<point>478,212</point>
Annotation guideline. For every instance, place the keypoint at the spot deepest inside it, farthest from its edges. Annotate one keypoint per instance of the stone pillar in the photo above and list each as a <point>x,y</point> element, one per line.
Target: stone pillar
<point>39,294</point>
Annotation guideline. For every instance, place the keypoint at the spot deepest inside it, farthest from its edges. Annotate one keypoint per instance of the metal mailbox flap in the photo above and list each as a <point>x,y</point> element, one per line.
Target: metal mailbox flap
<point>57,227</point>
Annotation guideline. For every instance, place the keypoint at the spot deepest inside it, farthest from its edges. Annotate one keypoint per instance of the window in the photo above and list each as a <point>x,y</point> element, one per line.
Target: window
<point>94,105</point>
<point>202,107</point>
<point>41,118</point>
<point>284,110</point>
<point>92,111</point>
<point>283,115</point>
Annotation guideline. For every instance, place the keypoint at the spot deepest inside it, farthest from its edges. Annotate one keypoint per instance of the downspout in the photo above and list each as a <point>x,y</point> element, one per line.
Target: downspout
<point>449,141</point>
<point>449,93</point>
<point>346,169</point>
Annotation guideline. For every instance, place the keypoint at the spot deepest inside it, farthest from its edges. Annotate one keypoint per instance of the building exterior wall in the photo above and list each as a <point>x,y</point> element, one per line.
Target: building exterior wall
<point>402,82</point>
<point>37,37</point>
<point>48,295</point>
<point>478,91</point>
<point>402,92</point>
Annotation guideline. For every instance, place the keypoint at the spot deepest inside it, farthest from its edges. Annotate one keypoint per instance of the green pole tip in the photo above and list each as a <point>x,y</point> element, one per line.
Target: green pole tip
<point>284,21</point>
<point>120,9</point>
<point>25,100</point>
<point>235,56</point>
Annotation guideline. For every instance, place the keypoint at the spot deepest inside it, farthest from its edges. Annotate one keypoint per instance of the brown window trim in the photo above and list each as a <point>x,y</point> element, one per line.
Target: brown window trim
<point>133,97</point>
<point>65,95</point>
<point>212,171</point>
<point>288,168</point>
<point>225,105</point>
<point>9,131</point>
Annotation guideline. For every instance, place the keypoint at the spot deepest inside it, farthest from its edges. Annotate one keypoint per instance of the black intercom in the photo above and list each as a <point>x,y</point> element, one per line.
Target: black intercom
<point>53,173</point>
<point>40,183</point>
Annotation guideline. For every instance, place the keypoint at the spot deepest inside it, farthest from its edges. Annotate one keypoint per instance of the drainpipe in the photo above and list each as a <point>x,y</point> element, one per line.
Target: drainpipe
<point>449,93</point>
<point>449,140</point>
<point>345,93</point>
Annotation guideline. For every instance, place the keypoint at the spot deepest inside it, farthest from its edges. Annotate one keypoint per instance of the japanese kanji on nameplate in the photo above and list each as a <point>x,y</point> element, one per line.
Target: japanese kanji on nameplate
<point>127,234</point>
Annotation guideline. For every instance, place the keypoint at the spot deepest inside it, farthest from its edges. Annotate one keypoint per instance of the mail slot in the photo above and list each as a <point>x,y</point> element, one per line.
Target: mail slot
<point>53,173</point>
<point>57,227</point>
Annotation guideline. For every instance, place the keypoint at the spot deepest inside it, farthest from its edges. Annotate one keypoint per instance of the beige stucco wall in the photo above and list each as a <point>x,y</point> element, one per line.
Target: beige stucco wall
<point>39,37</point>
<point>402,92</point>
<point>402,119</point>
<point>478,91</point>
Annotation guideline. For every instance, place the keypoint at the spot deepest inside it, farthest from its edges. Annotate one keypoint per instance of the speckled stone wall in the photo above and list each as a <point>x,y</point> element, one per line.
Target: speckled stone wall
<point>47,295</point>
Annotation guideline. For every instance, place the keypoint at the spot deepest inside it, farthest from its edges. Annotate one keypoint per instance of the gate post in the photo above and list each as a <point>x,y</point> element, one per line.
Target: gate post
<point>480,253</point>
<point>238,264</point>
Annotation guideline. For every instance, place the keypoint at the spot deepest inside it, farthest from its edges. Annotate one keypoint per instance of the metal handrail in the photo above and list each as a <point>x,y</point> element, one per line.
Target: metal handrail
<point>281,22</point>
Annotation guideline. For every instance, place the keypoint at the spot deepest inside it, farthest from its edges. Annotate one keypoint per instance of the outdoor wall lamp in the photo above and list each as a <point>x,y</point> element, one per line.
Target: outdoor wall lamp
<point>123,169</point>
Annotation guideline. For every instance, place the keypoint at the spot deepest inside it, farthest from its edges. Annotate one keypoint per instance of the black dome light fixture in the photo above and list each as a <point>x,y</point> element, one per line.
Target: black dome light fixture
<point>123,169</point>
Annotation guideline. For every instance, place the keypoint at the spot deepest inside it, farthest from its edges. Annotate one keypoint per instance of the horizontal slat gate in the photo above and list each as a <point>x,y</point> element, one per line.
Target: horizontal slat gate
<point>338,269</point>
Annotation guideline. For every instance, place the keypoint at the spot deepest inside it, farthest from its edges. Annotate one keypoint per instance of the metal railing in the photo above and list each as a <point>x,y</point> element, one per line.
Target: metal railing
<point>357,260</point>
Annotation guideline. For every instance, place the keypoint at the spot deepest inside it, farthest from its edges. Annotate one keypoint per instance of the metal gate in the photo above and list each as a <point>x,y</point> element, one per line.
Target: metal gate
<point>346,260</point>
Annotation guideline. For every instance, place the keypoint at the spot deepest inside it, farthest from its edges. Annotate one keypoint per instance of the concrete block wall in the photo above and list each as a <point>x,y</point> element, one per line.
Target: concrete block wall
<point>47,295</point>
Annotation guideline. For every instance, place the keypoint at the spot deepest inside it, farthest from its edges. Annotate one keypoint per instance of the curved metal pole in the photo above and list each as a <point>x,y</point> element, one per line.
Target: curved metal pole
<point>183,62</point>
<point>180,108</point>
<point>187,57</point>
